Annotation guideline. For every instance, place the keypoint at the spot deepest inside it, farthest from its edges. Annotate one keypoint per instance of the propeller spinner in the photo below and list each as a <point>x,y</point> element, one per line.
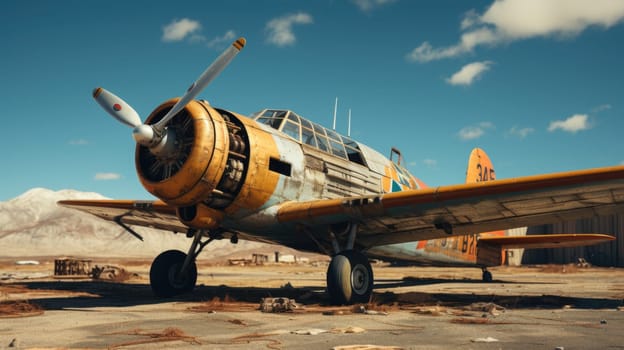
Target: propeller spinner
<point>156,137</point>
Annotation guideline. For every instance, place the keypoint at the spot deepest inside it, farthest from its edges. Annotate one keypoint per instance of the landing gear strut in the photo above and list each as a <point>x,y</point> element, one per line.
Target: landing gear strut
<point>487,275</point>
<point>173,272</point>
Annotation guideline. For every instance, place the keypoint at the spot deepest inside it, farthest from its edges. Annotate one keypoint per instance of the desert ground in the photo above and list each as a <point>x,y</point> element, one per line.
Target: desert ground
<point>537,307</point>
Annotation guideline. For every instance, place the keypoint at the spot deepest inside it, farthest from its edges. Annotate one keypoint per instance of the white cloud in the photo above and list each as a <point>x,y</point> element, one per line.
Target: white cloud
<point>506,21</point>
<point>430,163</point>
<point>603,107</point>
<point>474,131</point>
<point>280,31</point>
<point>469,73</point>
<point>178,30</point>
<point>219,41</point>
<point>520,132</point>
<point>107,176</point>
<point>369,5</point>
<point>573,124</point>
<point>78,142</point>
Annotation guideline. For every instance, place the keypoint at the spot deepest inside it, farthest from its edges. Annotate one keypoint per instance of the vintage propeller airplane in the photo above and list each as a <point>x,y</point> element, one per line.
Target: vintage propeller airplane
<point>277,177</point>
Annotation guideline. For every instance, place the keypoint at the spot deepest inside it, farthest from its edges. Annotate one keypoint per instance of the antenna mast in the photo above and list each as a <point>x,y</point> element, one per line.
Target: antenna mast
<point>335,110</point>
<point>349,128</point>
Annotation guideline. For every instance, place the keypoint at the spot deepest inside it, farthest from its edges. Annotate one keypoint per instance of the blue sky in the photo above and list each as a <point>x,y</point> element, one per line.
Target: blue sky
<point>539,84</point>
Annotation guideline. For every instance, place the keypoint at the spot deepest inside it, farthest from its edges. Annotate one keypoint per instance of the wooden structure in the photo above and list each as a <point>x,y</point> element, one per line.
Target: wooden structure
<point>72,267</point>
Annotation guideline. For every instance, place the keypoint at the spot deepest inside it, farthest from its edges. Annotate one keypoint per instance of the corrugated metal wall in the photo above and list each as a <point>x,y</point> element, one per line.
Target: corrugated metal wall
<point>607,254</point>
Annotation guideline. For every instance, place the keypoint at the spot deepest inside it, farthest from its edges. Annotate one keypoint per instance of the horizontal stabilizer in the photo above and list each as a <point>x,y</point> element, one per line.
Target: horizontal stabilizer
<point>546,241</point>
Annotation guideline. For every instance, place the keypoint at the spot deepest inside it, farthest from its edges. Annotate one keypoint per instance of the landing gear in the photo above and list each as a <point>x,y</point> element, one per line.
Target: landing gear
<point>349,278</point>
<point>487,275</point>
<point>167,278</point>
<point>173,272</point>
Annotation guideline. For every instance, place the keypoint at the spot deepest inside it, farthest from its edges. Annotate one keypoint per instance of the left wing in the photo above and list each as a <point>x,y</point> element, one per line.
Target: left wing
<point>468,208</point>
<point>155,214</point>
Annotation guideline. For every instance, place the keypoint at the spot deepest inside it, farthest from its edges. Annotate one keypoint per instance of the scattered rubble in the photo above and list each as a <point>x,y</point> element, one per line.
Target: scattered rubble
<point>278,305</point>
<point>484,340</point>
<point>366,347</point>
<point>489,308</point>
<point>111,272</point>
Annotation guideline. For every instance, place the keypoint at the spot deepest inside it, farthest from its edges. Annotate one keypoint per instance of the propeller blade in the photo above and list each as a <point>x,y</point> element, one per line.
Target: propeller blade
<point>207,76</point>
<point>117,107</point>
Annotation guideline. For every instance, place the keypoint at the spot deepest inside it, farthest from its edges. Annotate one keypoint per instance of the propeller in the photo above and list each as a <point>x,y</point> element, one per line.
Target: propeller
<point>155,136</point>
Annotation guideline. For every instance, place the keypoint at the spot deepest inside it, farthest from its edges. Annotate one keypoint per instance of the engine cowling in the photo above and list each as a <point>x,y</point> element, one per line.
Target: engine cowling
<point>214,162</point>
<point>190,170</point>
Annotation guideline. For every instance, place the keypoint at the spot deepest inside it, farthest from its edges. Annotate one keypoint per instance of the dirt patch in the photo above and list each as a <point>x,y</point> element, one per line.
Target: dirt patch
<point>167,335</point>
<point>569,268</point>
<point>227,304</point>
<point>19,308</point>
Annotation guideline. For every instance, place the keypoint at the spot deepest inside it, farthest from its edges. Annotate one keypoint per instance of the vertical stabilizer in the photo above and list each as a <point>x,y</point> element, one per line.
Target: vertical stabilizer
<point>480,167</point>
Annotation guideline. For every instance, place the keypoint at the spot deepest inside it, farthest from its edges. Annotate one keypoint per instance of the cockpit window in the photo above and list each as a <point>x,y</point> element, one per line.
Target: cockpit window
<point>272,118</point>
<point>311,134</point>
<point>291,129</point>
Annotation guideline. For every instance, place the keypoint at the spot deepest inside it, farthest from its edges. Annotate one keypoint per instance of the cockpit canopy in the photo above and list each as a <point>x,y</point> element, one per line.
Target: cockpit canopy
<point>311,134</point>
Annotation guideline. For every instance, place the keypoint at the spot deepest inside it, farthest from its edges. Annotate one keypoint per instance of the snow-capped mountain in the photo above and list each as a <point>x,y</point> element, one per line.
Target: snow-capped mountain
<point>32,224</point>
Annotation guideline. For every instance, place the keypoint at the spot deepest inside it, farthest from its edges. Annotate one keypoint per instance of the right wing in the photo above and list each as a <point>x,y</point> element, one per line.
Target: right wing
<point>439,212</point>
<point>561,240</point>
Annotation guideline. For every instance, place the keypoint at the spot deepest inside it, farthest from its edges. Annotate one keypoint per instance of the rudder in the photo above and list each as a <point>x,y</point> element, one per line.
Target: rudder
<point>480,167</point>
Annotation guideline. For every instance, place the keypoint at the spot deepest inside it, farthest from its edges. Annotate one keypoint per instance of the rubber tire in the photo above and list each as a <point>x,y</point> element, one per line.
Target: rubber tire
<point>487,276</point>
<point>164,271</point>
<point>349,278</point>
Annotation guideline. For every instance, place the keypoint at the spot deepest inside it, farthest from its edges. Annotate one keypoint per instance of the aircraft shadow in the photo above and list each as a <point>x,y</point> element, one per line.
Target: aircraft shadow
<point>91,294</point>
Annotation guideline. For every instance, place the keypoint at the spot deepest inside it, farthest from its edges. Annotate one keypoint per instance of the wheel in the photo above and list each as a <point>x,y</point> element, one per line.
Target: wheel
<point>165,278</point>
<point>487,276</point>
<point>349,278</point>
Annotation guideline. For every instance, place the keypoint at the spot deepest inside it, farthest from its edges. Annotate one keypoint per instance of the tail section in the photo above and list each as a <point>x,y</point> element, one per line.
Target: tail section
<point>480,167</point>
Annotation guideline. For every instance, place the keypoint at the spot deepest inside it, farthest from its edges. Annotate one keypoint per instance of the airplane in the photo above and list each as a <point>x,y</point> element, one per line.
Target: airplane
<point>279,178</point>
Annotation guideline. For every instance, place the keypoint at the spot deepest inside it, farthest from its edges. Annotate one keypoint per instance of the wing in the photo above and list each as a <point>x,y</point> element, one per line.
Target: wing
<point>155,214</point>
<point>545,241</point>
<point>468,208</point>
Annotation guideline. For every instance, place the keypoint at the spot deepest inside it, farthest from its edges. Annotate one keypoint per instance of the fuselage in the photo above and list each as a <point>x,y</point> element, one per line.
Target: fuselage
<point>232,172</point>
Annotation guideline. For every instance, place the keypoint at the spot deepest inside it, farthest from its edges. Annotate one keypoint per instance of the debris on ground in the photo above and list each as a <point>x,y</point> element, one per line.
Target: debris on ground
<point>347,330</point>
<point>13,343</point>
<point>227,304</point>
<point>259,337</point>
<point>464,320</point>
<point>27,262</point>
<point>111,272</point>
<point>367,347</point>
<point>361,309</point>
<point>489,308</point>
<point>430,310</point>
<point>238,322</point>
<point>166,335</point>
<point>484,340</point>
<point>581,262</point>
<point>278,305</point>
<point>309,331</point>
